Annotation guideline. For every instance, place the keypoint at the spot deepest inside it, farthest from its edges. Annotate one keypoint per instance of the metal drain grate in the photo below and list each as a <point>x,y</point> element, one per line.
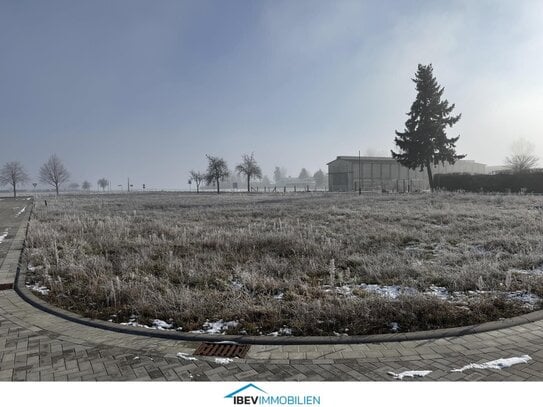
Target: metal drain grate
<point>225,350</point>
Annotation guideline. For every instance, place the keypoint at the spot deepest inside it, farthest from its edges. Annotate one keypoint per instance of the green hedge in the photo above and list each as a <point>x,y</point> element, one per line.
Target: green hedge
<point>531,182</point>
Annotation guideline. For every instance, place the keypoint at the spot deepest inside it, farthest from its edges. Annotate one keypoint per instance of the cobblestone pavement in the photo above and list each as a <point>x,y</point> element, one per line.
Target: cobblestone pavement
<point>38,346</point>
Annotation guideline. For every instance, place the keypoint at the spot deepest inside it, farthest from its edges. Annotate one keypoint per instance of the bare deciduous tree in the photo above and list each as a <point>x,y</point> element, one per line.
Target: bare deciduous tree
<point>13,173</point>
<point>198,178</point>
<point>249,168</point>
<point>86,186</point>
<point>522,158</point>
<point>217,170</point>
<point>103,183</point>
<point>54,173</point>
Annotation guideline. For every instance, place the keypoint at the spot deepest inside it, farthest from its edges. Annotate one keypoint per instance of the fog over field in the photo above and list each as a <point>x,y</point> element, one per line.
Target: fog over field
<point>144,90</point>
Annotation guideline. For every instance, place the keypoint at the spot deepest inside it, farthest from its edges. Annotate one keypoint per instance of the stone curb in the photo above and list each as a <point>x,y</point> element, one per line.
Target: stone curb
<point>38,303</point>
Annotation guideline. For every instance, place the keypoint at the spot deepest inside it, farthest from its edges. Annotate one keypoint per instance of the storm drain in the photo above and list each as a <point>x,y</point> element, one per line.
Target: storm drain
<point>225,350</point>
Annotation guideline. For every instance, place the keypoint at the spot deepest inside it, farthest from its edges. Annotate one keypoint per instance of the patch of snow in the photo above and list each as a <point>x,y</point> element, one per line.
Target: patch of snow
<point>282,332</point>
<point>439,292</point>
<point>223,361</point>
<point>34,268</point>
<point>136,324</point>
<point>344,290</point>
<point>279,296</point>
<point>410,373</point>
<point>21,211</point>
<point>28,199</point>
<point>155,324</point>
<point>185,356</point>
<point>529,299</point>
<point>217,327</point>
<point>389,291</point>
<point>38,288</point>
<point>394,326</point>
<point>160,324</point>
<point>496,364</point>
<point>3,235</point>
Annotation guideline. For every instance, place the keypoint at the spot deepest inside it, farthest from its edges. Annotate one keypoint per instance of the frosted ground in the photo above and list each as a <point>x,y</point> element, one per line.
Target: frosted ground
<point>295,264</point>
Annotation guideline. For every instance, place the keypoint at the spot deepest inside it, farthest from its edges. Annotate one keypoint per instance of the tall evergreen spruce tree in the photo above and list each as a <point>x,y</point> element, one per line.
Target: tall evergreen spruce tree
<point>423,142</point>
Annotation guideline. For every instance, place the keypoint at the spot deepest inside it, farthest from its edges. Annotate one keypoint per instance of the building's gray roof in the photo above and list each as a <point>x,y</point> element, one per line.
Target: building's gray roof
<point>356,158</point>
<point>369,158</point>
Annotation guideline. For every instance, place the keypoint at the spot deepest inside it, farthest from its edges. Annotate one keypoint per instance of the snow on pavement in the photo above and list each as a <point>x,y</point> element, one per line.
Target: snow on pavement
<point>496,364</point>
<point>410,373</point>
<point>223,361</point>
<point>185,356</point>
<point>3,235</point>
<point>21,211</point>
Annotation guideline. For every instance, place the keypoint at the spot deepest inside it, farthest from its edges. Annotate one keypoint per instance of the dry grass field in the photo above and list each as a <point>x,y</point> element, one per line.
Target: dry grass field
<point>300,264</point>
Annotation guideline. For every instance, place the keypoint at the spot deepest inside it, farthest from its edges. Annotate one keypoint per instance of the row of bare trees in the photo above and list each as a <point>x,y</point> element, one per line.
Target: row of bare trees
<point>217,171</point>
<point>52,172</point>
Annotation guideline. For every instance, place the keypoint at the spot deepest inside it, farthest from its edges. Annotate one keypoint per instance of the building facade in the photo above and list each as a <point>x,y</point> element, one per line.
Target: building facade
<point>349,173</point>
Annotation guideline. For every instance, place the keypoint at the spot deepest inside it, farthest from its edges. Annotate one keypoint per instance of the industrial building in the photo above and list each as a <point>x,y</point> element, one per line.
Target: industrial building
<point>349,173</point>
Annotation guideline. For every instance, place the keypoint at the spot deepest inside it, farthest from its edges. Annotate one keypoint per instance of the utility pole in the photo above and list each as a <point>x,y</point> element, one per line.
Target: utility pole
<point>359,175</point>
<point>128,184</point>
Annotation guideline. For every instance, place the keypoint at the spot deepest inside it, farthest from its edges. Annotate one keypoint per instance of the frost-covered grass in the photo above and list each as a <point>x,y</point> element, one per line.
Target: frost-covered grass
<point>300,264</point>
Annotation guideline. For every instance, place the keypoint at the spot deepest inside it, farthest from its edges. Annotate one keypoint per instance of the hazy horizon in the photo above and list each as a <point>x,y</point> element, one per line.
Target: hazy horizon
<point>145,89</point>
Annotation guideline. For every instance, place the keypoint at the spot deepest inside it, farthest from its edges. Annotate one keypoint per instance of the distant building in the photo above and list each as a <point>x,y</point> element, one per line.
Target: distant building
<point>384,173</point>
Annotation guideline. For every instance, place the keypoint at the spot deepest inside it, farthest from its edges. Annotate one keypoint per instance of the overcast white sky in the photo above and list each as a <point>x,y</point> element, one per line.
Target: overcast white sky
<point>146,88</point>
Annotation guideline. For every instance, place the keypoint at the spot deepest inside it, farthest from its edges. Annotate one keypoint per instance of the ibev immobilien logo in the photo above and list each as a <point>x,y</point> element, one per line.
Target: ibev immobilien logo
<point>251,394</point>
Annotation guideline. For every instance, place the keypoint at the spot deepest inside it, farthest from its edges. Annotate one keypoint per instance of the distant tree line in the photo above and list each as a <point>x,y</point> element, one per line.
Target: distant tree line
<point>217,172</point>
